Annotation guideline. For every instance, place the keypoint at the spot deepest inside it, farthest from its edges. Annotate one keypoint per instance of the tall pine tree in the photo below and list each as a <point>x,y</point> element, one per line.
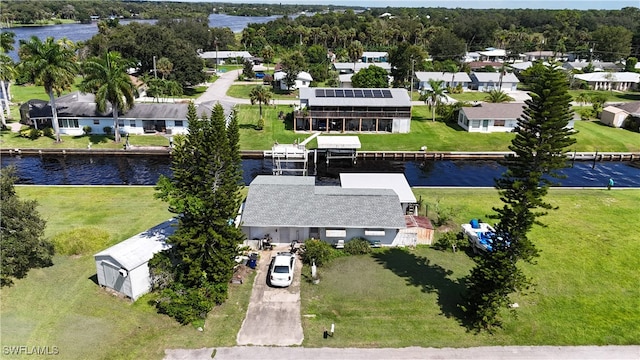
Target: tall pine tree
<point>539,152</point>
<point>205,192</point>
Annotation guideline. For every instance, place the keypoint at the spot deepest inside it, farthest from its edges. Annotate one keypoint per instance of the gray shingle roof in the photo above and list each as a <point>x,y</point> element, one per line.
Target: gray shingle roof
<point>444,76</point>
<point>296,201</point>
<point>631,107</point>
<point>494,111</point>
<point>494,76</point>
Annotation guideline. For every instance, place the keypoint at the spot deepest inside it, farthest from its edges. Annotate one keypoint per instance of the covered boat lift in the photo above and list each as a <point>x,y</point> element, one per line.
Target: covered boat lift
<point>338,147</point>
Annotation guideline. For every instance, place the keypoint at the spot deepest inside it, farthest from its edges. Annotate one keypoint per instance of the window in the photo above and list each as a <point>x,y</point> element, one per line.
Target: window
<point>132,123</point>
<point>120,122</point>
<point>475,124</point>
<point>178,123</point>
<point>68,123</point>
<point>498,122</point>
<point>96,122</point>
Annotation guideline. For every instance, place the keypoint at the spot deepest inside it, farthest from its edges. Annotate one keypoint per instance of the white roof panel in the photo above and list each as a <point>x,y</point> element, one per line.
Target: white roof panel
<point>396,182</point>
<point>338,142</point>
<point>140,248</point>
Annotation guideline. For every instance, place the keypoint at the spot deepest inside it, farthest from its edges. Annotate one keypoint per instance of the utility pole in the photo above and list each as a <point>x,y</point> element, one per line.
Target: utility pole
<point>155,73</point>
<point>413,61</point>
<point>216,42</point>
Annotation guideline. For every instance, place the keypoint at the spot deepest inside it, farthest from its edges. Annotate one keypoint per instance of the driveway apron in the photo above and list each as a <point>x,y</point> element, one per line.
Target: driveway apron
<point>273,315</point>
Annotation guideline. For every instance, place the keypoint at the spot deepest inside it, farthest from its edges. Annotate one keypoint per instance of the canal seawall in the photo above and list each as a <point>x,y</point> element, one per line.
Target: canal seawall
<point>383,155</point>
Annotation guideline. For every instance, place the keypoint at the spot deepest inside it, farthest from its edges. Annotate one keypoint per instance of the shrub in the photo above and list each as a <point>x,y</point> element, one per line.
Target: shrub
<point>31,133</point>
<point>260,125</point>
<point>319,251</point>
<point>48,132</point>
<point>80,241</point>
<point>357,246</point>
<point>186,305</point>
<point>446,241</point>
<point>86,129</point>
<point>107,130</point>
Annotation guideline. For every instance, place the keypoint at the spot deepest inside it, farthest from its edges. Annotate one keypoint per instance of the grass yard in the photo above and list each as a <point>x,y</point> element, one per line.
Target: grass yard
<point>242,92</point>
<point>10,140</point>
<point>612,96</point>
<point>437,136</point>
<point>586,282</point>
<point>470,96</point>
<point>62,305</point>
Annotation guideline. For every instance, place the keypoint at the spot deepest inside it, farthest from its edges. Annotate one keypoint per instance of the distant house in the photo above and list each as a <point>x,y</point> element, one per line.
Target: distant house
<point>77,110</point>
<point>615,115</point>
<point>493,117</point>
<point>597,66</point>
<point>546,55</point>
<point>480,65</point>
<point>622,81</point>
<point>223,57</point>
<point>374,56</point>
<point>448,79</point>
<point>303,80</point>
<point>353,110</point>
<point>493,54</point>
<point>293,208</point>
<point>487,81</point>
<point>352,68</point>
<point>344,81</point>
<point>124,267</point>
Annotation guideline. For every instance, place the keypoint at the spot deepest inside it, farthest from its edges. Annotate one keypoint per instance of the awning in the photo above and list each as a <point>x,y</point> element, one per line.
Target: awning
<point>336,233</point>
<point>374,233</point>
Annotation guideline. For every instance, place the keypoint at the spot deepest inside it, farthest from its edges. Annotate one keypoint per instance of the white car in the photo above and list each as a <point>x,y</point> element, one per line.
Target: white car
<point>281,269</point>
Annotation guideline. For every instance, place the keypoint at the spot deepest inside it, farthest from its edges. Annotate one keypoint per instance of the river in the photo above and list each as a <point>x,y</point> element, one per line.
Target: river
<point>83,32</point>
<point>138,170</point>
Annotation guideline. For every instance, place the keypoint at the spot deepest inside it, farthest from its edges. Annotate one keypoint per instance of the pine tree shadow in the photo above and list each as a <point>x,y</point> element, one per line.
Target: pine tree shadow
<point>431,278</point>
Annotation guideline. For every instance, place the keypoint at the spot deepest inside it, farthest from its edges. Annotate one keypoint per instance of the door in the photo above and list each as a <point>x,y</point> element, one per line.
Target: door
<point>485,125</point>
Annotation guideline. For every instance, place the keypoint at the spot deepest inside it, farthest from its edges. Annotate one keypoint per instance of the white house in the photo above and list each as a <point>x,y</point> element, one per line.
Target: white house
<point>448,79</point>
<point>597,66</point>
<point>545,55</point>
<point>493,117</point>
<point>78,110</point>
<point>303,80</point>
<point>124,267</point>
<point>615,115</point>
<point>344,81</point>
<point>622,81</point>
<point>293,208</point>
<point>224,56</point>
<point>487,81</point>
<point>394,181</point>
<point>493,54</point>
<point>374,56</point>
<point>352,68</point>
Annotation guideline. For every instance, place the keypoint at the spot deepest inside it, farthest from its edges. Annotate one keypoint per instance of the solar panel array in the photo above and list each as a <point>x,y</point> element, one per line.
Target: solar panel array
<point>354,93</point>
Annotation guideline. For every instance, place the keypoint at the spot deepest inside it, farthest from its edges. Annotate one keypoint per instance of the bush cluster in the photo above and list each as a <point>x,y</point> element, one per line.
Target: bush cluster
<point>319,251</point>
<point>357,246</point>
<point>447,240</point>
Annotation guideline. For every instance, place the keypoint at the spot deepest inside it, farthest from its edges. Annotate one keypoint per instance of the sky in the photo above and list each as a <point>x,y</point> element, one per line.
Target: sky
<point>473,4</point>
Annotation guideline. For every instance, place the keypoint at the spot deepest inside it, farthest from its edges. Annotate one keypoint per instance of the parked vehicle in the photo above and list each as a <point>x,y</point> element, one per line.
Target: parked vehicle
<point>282,269</point>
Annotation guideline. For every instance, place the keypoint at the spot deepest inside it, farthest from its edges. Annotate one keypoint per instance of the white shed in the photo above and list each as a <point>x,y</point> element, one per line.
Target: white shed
<point>124,266</point>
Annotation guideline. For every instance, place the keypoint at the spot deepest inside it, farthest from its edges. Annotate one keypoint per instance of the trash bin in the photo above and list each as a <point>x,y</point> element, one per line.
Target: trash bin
<point>253,261</point>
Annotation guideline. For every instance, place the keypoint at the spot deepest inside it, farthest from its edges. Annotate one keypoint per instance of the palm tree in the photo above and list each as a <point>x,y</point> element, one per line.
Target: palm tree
<point>164,66</point>
<point>583,98</point>
<point>434,96</point>
<point>52,64</point>
<point>107,78</point>
<point>7,73</point>
<point>260,94</point>
<point>497,96</point>
<point>355,51</point>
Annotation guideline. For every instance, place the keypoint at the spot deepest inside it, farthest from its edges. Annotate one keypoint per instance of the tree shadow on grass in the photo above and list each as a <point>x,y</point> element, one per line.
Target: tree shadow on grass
<point>431,278</point>
<point>248,126</point>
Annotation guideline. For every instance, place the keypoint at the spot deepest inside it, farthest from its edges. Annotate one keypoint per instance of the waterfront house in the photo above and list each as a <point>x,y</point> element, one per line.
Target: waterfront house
<point>78,110</point>
<point>288,208</point>
<point>493,117</point>
<point>124,267</point>
<point>353,110</point>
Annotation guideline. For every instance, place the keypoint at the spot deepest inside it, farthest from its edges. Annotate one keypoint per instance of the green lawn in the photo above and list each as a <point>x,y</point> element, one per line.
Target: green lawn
<point>62,305</point>
<point>470,96</point>
<point>612,96</point>
<point>586,284</point>
<point>437,136</point>
<point>586,280</point>
<point>9,140</point>
<point>242,92</point>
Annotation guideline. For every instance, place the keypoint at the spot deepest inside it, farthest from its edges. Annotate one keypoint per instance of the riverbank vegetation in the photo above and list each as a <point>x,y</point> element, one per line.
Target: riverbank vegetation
<point>585,289</point>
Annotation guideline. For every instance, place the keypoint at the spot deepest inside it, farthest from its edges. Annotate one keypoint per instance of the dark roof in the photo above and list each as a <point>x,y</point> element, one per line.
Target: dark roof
<point>79,105</point>
<point>631,107</point>
<point>296,201</point>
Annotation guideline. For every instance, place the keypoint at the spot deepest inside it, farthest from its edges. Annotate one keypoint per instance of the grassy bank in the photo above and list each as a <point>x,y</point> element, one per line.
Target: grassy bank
<point>62,305</point>
<point>586,284</point>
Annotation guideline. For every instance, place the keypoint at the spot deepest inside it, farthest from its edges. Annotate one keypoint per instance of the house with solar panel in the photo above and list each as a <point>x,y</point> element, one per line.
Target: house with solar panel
<point>353,110</point>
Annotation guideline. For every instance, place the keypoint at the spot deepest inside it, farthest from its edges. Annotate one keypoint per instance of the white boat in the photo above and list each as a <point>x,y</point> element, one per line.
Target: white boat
<point>479,234</point>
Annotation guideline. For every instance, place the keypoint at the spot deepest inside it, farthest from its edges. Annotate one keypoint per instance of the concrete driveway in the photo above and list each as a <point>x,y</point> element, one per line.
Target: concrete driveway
<point>273,315</point>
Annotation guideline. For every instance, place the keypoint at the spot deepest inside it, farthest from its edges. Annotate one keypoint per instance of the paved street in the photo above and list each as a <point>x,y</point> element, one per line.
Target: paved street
<point>412,353</point>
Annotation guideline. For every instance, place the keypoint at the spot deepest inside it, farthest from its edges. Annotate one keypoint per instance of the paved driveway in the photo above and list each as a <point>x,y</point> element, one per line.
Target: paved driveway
<point>273,315</point>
